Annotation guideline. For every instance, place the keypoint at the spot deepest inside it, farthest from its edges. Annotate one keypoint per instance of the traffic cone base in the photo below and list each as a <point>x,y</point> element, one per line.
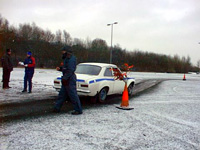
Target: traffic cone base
<point>125,100</point>
<point>124,108</point>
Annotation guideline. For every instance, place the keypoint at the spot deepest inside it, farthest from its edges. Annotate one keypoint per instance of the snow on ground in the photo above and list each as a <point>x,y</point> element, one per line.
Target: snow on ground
<point>42,85</point>
<point>166,117</point>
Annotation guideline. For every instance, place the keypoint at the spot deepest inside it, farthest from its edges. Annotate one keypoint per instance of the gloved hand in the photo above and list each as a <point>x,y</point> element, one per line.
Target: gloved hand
<point>26,65</point>
<point>58,68</point>
<point>65,82</point>
<point>21,63</point>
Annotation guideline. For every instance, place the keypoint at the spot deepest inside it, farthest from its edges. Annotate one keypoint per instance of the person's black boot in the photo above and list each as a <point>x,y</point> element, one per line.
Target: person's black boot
<point>56,110</point>
<point>24,91</point>
<point>76,112</point>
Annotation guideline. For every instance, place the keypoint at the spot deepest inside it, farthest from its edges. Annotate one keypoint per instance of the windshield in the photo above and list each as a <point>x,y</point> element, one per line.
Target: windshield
<point>88,69</point>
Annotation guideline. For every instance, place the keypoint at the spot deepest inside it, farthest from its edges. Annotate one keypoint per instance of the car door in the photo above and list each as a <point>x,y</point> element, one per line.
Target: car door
<point>118,84</point>
<point>108,74</point>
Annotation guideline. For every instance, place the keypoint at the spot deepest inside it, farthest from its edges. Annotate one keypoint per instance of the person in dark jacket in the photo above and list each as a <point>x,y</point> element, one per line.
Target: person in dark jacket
<point>7,65</point>
<point>68,90</point>
<point>29,65</point>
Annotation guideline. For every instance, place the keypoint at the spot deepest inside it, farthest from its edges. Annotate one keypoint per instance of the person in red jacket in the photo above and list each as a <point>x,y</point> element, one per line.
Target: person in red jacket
<point>29,65</point>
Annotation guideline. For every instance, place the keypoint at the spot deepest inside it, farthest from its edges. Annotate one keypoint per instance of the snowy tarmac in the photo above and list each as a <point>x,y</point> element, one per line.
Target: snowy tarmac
<point>165,117</point>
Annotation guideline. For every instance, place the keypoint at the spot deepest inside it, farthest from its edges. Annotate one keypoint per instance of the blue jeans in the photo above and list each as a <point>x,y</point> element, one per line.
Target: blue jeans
<point>69,93</point>
<point>28,78</point>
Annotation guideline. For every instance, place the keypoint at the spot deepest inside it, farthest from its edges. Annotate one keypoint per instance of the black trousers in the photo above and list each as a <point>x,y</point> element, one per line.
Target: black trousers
<point>6,78</point>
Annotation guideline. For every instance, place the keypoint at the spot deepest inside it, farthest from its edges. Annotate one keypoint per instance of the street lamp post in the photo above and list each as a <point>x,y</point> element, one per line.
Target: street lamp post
<point>111,24</point>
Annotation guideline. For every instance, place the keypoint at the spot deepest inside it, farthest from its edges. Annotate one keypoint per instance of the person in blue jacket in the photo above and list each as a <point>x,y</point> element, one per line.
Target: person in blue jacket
<point>68,90</point>
<point>29,65</point>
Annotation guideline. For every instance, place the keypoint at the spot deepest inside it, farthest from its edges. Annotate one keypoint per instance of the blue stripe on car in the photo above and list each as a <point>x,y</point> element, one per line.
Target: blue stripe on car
<point>98,80</point>
<point>79,80</point>
<point>92,81</point>
<point>129,78</point>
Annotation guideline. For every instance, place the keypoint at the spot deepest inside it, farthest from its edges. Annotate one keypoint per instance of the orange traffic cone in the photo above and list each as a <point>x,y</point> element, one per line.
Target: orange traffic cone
<point>184,77</point>
<point>125,99</point>
<point>125,102</point>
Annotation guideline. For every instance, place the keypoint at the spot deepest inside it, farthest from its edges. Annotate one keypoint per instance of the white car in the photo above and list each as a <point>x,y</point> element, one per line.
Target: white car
<point>97,80</point>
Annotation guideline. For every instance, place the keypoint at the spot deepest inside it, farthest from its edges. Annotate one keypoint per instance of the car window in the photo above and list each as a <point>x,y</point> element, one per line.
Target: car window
<point>108,72</point>
<point>88,69</point>
<point>116,70</point>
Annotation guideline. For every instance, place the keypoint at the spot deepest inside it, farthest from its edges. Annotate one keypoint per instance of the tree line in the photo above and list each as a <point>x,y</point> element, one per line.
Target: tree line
<point>46,47</point>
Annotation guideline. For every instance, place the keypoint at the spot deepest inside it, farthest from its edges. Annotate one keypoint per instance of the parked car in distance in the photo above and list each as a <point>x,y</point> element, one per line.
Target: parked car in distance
<point>97,80</point>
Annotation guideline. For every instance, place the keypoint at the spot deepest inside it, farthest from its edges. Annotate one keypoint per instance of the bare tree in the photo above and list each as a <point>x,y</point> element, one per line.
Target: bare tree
<point>48,36</point>
<point>25,31</point>
<point>78,41</point>
<point>198,64</point>
<point>37,33</point>
<point>58,37</point>
<point>67,40</point>
<point>88,43</point>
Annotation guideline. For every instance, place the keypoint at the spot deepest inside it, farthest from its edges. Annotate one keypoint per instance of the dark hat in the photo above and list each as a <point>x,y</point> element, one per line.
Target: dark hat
<point>29,53</point>
<point>8,50</point>
<point>68,49</point>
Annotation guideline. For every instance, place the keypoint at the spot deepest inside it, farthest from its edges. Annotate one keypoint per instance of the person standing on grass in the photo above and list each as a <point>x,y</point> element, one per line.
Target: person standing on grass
<point>29,65</point>
<point>7,66</point>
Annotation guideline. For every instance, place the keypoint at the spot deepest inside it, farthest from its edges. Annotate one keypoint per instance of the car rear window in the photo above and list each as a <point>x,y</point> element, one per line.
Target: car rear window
<point>88,69</point>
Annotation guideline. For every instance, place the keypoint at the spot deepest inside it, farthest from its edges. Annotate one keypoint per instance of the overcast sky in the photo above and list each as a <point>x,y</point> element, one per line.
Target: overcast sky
<point>161,26</point>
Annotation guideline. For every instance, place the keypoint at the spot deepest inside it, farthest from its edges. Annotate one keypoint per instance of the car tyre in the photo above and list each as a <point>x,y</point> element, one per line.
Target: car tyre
<point>130,89</point>
<point>102,95</point>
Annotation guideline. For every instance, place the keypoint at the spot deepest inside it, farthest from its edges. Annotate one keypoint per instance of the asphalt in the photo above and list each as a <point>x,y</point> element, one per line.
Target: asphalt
<point>36,108</point>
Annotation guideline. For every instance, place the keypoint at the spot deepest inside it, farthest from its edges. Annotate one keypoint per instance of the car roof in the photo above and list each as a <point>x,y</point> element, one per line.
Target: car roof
<point>100,64</point>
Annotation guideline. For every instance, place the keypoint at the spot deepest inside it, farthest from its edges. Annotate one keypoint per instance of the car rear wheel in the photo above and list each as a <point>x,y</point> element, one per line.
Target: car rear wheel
<point>130,89</point>
<point>102,95</point>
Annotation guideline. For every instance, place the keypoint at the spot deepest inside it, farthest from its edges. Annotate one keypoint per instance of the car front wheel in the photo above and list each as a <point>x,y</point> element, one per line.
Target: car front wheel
<point>130,89</point>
